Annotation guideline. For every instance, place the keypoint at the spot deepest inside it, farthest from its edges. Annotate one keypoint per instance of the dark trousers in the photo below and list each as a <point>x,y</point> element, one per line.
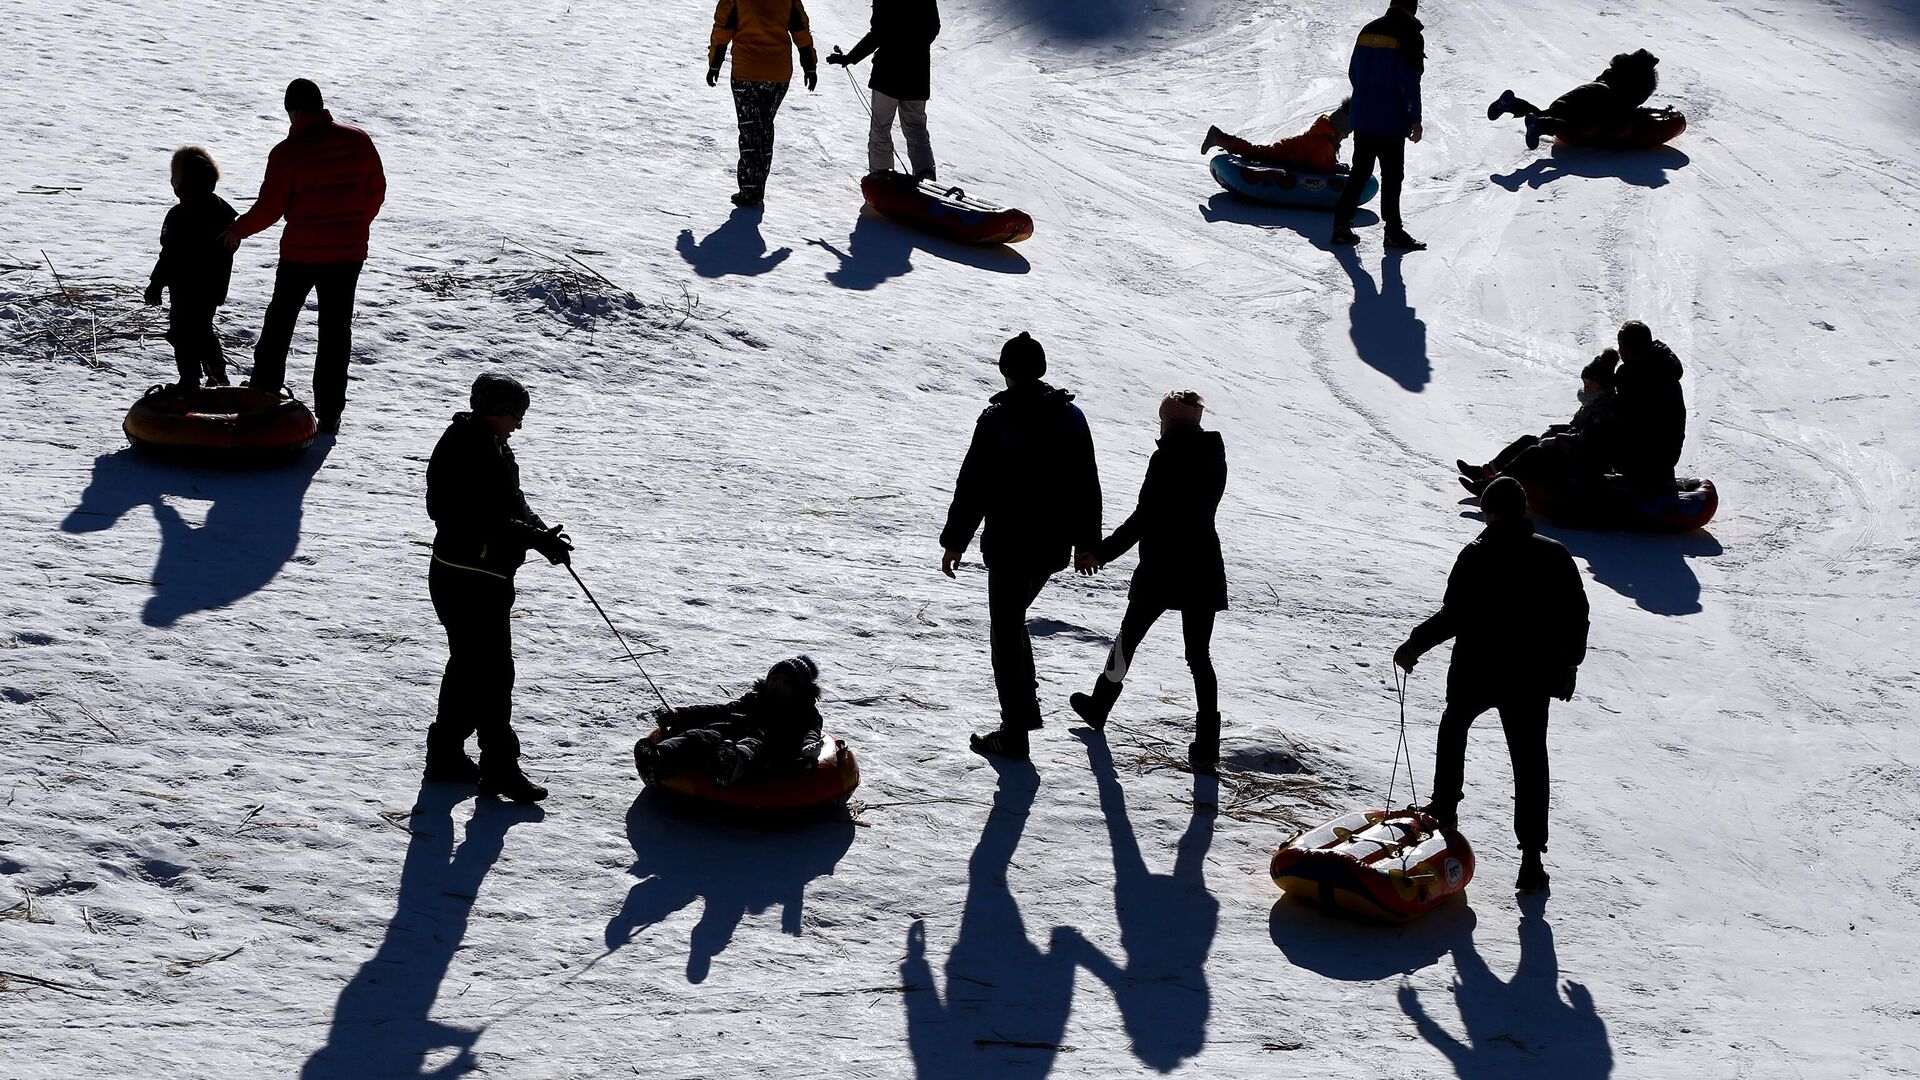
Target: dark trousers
<point>754,104</point>
<point>1391,152</point>
<point>698,750</point>
<point>1197,626</point>
<point>1524,719</point>
<point>476,693</point>
<point>1010,592</point>
<point>196,347</point>
<point>335,283</point>
<point>1513,450</point>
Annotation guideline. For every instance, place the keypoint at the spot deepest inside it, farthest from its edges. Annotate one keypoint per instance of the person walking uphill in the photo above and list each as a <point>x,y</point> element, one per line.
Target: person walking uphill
<point>1030,474</point>
<point>1180,567</point>
<point>901,42</point>
<point>484,533</point>
<point>1517,612</point>
<point>1388,60</point>
<point>759,31</point>
<point>325,178</point>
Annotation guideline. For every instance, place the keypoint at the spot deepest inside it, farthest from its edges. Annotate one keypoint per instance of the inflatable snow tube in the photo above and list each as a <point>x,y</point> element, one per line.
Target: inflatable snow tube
<point>827,785</point>
<point>1648,128</point>
<point>1279,186</point>
<point>946,212</point>
<point>233,425</point>
<point>1690,505</point>
<point>1389,866</point>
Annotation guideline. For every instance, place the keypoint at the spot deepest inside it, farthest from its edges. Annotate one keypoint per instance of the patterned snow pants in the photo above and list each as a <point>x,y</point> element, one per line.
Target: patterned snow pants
<point>755,103</point>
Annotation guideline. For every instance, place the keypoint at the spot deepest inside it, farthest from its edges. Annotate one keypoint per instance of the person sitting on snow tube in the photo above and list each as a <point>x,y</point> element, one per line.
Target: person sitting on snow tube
<point>1565,455</point>
<point>1316,149</point>
<point>1653,410</point>
<point>771,731</point>
<point>1590,112</point>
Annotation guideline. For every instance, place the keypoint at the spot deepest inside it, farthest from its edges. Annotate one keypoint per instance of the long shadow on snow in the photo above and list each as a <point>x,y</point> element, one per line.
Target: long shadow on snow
<point>1086,22</point>
<point>1648,568</point>
<point>736,248</point>
<point>382,1025</point>
<point>1167,925</point>
<point>735,867</point>
<point>1522,1027</point>
<point>1314,226</point>
<point>1641,168</point>
<point>251,529</point>
<point>1386,333</point>
<point>879,250</point>
<point>1340,947</point>
<point>1006,1002</point>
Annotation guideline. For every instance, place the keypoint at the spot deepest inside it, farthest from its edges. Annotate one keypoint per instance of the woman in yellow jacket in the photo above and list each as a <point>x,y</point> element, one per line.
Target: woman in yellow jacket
<point>759,31</point>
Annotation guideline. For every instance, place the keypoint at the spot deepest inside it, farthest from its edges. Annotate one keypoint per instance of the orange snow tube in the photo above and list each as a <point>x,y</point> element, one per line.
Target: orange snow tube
<point>1390,866</point>
<point>828,784</point>
<point>230,424</point>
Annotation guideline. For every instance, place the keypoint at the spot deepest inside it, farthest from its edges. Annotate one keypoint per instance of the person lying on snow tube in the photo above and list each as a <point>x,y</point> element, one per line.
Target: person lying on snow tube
<point>771,731</point>
<point>1316,149</point>
<point>1565,455</point>
<point>1601,111</point>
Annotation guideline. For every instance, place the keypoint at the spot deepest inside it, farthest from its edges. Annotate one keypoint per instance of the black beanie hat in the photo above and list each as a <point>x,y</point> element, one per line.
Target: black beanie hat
<point>495,394</point>
<point>801,669</point>
<point>1601,369</point>
<point>1022,358</point>
<point>1505,498</point>
<point>303,96</point>
<point>1412,6</point>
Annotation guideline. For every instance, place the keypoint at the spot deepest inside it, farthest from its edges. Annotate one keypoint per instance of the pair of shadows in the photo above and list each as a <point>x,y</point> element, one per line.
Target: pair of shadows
<point>876,252</point>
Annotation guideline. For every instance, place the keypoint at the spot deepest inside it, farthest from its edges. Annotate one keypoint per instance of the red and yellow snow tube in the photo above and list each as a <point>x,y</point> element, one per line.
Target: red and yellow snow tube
<point>1647,129</point>
<point>1388,866</point>
<point>230,424</point>
<point>828,784</point>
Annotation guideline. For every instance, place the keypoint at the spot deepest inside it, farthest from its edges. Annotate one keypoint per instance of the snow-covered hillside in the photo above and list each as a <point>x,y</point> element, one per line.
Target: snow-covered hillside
<point>215,686</point>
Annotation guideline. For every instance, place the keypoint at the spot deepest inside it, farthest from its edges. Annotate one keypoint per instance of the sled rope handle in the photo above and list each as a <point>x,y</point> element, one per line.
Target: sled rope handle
<point>622,638</point>
<point>855,83</point>
<point>1400,681</point>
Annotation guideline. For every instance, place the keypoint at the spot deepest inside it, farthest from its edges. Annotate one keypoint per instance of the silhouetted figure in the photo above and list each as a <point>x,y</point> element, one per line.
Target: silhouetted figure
<point>1517,612</point>
<point>1570,457</point>
<point>196,267</point>
<point>1590,112</point>
<point>484,531</point>
<point>325,178</point>
<point>901,43</point>
<point>1653,409</point>
<point>1316,149</point>
<point>1030,475</point>
<point>771,731</point>
<point>763,34</point>
<point>1181,568</point>
<point>1389,57</point>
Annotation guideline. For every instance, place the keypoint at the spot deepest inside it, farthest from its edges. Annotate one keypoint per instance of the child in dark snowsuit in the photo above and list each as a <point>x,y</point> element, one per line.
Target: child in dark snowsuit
<point>1582,450</point>
<point>196,266</point>
<point>1592,110</point>
<point>773,730</point>
<point>1316,149</point>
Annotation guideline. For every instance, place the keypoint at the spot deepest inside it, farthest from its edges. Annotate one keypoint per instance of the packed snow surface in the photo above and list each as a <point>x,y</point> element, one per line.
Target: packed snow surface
<point>216,858</point>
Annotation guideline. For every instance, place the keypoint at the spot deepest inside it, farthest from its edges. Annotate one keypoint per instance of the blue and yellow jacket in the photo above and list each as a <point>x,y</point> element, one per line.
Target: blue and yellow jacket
<point>1385,71</point>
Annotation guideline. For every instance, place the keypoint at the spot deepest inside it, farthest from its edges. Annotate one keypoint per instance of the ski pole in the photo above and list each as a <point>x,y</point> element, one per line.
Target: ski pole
<point>620,636</point>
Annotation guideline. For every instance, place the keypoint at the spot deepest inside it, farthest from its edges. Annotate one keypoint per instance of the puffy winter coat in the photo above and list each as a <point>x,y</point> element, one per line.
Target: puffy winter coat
<point>1388,59</point>
<point>474,497</point>
<point>1594,437</point>
<point>325,178</point>
<point>193,262</point>
<point>763,34</point>
<point>1653,414</point>
<point>903,33</point>
<point>1517,612</point>
<point>1611,98</point>
<point>1315,150</point>
<point>1031,475</point>
<point>787,729</point>
<point>1180,563</point>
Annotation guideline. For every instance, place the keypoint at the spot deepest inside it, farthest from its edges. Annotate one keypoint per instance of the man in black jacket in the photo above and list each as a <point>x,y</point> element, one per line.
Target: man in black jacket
<point>484,532</point>
<point>901,40</point>
<point>1518,613</point>
<point>1653,409</point>
<point>1030,474</point>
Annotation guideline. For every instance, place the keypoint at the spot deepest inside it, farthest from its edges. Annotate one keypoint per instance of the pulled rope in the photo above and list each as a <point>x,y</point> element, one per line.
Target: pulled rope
<point>622,638</point>
<point>855,83</point>
<point>1400,681</point>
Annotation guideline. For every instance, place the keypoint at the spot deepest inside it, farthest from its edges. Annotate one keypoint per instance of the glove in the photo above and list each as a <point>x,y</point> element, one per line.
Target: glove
<point>837,57</point>
<point>1405,657</point>
<point>812,78</point>
<point>152,296</point>
<point>1565,693</point>
<point>713,75</point>
<point>555,545</point>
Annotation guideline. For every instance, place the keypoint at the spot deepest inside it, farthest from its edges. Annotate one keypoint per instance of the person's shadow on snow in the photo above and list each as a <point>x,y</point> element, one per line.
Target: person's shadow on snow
<point>1649,568</point>
<point>382,1024</point>
<point>1167,925</point>
<point>1313,226</point>
<point>879,250</point>
<point>1641,168</point>
<point>1386,333</point>
<point>1523,1026</point>
<point>735,249</point>
<point>1006,1001</point>
<point>251,529</point>
<point>735,868</point>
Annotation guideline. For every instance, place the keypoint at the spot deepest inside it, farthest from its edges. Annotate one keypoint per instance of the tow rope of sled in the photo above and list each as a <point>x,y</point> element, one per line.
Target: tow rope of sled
<point>622,638</point>
<point>855,83</point>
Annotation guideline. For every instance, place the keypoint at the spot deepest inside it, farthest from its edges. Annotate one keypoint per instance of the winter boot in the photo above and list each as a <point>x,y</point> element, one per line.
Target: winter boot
<point>729,766</point>
<point>1501,106</point>
<point>1447,814</point>
<point>749,198</point>
<point>1214,138</point>
<point>511,784</point>
<point>925,174</point>
<point>646,761</point>
<point>1473,472</point>
<point>1397,238</point>
<point>1533,877</point>
<point>1343,235</point>
<point>1477,487</point>
<point>451,767</point>
<point>1203,753</point>
<point>1002,743</point>
<point>1533,132</point>
<point>1094,707</point>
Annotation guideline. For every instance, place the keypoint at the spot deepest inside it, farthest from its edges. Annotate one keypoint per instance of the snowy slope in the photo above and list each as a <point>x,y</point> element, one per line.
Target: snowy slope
<point>215,685</point>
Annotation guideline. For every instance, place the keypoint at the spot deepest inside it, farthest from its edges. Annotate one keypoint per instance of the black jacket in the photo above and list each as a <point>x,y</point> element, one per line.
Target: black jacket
<point>1653,413</point>
<point>1180,564</point>
<point>473,495</point>
<point>1594,437</point>
<point>787,729</point>
<point>1517,611</point>
<point>193,262</point>
<point>1606,102</point>
<point>1030,474</point>
<point>903,33</point>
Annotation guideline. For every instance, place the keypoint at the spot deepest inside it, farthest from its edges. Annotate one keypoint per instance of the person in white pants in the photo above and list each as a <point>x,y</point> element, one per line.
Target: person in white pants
<point>901,42</point>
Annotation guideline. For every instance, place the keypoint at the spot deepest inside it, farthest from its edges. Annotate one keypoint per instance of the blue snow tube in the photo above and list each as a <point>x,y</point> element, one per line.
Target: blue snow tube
<point>1279,186</point>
